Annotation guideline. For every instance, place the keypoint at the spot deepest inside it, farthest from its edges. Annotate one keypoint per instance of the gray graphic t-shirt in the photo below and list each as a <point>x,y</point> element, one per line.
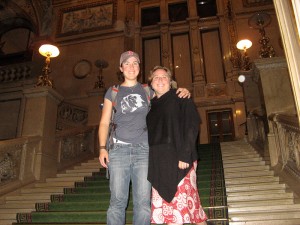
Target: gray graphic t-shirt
<point>130,117</point>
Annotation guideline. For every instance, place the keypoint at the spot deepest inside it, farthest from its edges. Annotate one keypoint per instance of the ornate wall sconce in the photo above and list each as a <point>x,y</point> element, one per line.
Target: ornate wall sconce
<point>49,51</point>
<point>260,21</point>
<point>244,45</point>
<point>101,64</point>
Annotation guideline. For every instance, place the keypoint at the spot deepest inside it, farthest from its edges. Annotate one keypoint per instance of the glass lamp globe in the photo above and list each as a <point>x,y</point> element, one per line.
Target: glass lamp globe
<point>48,50</point>
<point>241,78</point>
<point>244,44</point>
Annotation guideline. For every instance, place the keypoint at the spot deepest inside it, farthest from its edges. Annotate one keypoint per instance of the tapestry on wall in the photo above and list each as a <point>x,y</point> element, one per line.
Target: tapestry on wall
<point>86,18</point>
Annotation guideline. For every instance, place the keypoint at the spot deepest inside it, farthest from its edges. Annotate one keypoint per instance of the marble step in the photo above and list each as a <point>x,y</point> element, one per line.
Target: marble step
<point>269,222</point>
<point>18,205</point>
<point>28,197</point>
<point>255,192</point>
<point>245,164</point>
<point>255,187</point>
<point>75,174</point>
<point>6,213</point>
<point>39,190</point>
<point>55,184</point>
<point>260,216</point>
<point>90,168</point>
<point>7,222</point>
<point>247,168</point>
<point>241,161</point>
<point>264,208</point>
<point>249,173</point>
<point>8,216</point>
<point>250,180</point>
<point>93,163</point>
<point>59,179</point>
<point>239,155</point>
<point>258,197</point>
<point>242,204</point>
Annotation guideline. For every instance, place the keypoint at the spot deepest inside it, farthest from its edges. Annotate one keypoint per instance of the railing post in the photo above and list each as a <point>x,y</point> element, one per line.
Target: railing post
<point>95,98</point>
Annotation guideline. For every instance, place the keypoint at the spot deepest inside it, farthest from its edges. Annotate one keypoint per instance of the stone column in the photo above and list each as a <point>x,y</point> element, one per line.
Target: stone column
<point>165,43</point>
<point>196,53</point>
<point>197,60</point>
<point>95,98</point>
<point>40,114</point>
<point>277,94</point>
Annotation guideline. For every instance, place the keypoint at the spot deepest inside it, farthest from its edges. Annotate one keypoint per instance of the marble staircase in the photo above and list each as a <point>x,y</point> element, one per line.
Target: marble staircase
<point>254,195</point>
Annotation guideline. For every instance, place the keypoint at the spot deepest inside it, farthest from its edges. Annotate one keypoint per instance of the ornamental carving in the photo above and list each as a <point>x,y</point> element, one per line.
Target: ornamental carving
<point>216,90</point>
<point>10,164</point>
<point>70,116</point>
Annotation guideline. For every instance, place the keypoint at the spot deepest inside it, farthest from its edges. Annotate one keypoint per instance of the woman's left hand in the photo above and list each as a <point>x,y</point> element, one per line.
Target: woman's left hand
<point>183,93</point>
<point>183,165</point>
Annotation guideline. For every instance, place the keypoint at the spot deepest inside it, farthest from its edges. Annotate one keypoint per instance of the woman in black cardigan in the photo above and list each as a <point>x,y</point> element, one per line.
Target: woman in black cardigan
<point>173,127</point>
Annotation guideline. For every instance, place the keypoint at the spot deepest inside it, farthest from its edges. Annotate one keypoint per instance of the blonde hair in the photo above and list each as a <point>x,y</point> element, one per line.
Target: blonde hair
<point>168,71</point>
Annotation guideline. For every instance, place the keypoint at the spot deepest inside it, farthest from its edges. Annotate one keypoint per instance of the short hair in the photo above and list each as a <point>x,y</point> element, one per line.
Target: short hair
<point>168,71</point>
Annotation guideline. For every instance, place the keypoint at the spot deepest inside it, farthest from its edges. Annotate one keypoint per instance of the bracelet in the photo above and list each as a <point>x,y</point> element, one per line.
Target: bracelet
<point>102,147</point>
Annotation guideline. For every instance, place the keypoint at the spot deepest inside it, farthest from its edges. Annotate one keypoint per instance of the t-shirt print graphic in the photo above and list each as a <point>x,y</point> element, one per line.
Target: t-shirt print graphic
<point>131,103</point>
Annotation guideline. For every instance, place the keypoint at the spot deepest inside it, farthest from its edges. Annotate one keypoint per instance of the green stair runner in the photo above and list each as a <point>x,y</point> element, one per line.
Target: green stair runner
<point>88,201</point>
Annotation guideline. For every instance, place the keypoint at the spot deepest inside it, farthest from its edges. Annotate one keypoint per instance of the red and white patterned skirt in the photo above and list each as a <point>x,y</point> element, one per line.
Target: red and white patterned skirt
<point>185,206</point>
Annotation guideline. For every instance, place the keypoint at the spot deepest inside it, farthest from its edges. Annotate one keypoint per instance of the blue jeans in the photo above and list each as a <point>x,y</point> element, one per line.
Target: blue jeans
<point>129,162</point>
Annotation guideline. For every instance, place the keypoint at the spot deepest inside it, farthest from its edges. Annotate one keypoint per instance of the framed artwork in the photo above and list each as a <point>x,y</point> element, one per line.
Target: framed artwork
<point>250,3</point>
<point>86,18</point>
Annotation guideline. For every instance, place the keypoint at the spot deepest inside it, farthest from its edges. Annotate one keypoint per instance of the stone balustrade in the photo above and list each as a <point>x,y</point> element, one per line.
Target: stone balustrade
<point>17,162</point>
<point>76,144</point>
<point>18,156</point>
<point>17,72</point>
<point>287,138</point>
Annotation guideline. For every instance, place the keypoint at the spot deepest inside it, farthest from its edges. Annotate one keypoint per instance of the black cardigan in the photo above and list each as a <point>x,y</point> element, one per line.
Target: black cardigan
<point>173,126</point>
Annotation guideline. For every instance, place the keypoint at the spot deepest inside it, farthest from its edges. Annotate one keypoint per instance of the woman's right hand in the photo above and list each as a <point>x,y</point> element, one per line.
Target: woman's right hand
<point>183,165</point>
<point>103,158</point>
<point>103,131</point>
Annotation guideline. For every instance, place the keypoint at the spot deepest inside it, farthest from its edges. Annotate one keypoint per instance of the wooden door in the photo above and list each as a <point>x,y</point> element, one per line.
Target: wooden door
<point>220,126</point>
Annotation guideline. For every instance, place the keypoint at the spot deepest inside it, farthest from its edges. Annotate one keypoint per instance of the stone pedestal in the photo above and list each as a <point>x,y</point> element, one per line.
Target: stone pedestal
<point>277,94</point>
<point>251,93</point>
<point>95,98</point>
<point>40,120</point>
<point>276,85</point>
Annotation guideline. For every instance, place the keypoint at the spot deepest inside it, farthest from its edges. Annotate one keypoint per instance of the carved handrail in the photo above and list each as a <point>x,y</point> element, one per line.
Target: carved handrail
<point>287,135</point>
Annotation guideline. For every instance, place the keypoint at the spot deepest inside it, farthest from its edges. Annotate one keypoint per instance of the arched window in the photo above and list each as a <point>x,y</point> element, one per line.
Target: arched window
<point>16,35</point>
